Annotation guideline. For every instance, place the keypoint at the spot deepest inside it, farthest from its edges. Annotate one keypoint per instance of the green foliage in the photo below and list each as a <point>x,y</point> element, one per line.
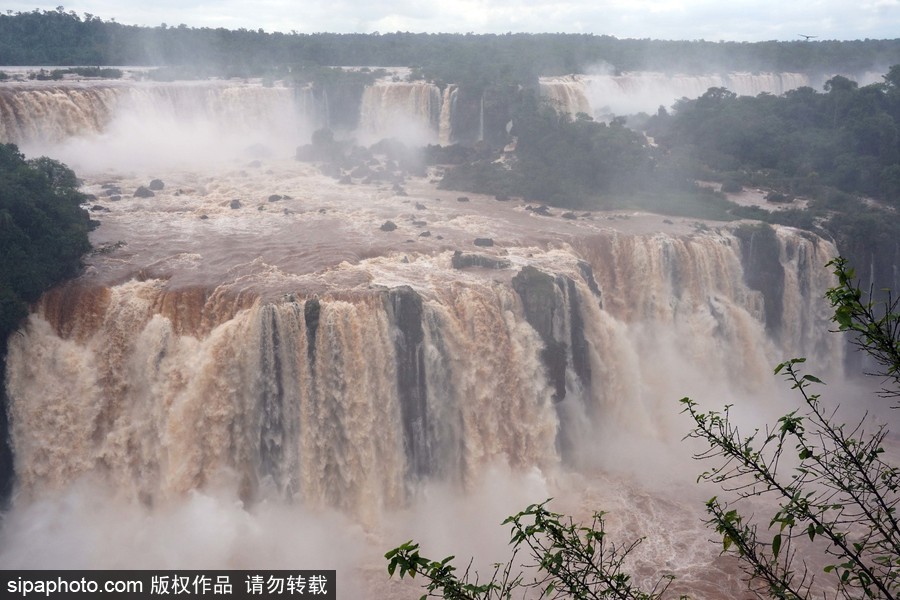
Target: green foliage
<point>574,163</point>
<point>570,561</point>
<point>57,37</point>
<point>875,325</point>
<point>848,137</point>
<point>840,498</point>
<point>832,490</point>
<point>43,232</point>
<point>57,74</point>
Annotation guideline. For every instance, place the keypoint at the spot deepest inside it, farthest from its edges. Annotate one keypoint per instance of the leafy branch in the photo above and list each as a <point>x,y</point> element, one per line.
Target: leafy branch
<point>570,561</point>
<point>875,325</point>
<point>839,491</point>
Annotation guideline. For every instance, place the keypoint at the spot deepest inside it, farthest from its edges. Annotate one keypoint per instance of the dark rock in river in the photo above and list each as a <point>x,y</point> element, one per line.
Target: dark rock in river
<point>463,261</point>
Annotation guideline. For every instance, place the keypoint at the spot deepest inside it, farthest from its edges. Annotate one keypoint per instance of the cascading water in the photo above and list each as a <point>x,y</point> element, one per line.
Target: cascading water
<point>36,112</point>
<point>628,93</point>
<point>448,110</point>
<point>411,111</point>
<point>250,384</point>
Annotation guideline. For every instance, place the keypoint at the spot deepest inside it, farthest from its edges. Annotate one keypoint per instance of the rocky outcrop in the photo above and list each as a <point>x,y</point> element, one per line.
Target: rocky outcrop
<point>763,271</point>
<point>464,261</point>
<point>551,308</point>
<point>405,308</point>
<point>311,310</point>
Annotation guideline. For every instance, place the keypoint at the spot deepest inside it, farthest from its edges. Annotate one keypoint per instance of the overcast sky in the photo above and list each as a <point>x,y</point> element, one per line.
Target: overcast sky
<point>713,20</point>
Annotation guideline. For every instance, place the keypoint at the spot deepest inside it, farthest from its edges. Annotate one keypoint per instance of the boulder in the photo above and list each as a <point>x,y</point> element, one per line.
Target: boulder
<point>388,226</point>
<point>143,192</point>
<point>156,185</point>
<point>464,261</point>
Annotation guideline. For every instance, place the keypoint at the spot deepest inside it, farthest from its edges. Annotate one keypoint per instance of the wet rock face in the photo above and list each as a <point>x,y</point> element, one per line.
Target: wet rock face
<point>311,311</point>
<point>462,260</point>
<point>405,308</point>
<point>587,273</point>
<point>763,271</point>
<point>538,292</point>
<point>552,307</point>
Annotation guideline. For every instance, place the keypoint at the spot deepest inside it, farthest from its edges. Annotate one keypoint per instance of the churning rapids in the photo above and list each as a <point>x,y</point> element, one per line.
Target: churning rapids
<point>277,382</point>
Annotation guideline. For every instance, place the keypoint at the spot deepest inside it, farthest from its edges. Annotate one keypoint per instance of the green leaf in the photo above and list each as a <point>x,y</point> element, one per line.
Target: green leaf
<point>776,545</point>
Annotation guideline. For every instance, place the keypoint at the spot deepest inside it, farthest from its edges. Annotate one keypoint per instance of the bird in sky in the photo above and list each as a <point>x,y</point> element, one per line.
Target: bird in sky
<point>808,37</point>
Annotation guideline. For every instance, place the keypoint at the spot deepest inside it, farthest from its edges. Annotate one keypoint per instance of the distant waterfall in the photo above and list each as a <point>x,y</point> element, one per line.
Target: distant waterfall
<point>397,109</point>
<point>53,113</point>
<point>629,93</point>
<point>448,111</point>
<point>41,114</point>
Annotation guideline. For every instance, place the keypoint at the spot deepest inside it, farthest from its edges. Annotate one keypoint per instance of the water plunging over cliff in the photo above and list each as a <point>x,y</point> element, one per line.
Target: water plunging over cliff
<point>342,375</point>
<point>629,93</point>
<point>264,373</point>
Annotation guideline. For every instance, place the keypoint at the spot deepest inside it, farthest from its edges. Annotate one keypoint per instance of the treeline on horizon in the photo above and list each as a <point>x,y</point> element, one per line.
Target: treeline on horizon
<point>60,38</point>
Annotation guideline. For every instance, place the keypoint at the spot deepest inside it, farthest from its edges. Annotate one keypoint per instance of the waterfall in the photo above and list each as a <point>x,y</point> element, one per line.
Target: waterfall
<point>34,113</point>
<point>273,383</point>
<point>52,113</point>
<point>481,119</point>
<point>353,398</point>
<point>628,93</point>
<point>409,111</point>
<point>448,110</point>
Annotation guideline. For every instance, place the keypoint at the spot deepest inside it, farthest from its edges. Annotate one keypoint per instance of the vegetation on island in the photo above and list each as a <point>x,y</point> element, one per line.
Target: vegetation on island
<point>808,505</point>
<point>45,231</point>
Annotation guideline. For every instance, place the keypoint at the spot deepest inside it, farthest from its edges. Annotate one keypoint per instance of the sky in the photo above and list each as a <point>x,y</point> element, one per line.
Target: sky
<point>711,20</point>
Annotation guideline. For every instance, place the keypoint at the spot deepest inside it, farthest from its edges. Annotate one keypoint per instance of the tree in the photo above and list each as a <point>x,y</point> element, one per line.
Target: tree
<point>571,561</point>
<point>876,326</point>
<point>832,495</point>
<point>838,496</point>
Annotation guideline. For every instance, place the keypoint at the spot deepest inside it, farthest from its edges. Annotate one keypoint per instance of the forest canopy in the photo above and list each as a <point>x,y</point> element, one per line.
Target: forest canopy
<point>43,232</point>
<point>61,38</point>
